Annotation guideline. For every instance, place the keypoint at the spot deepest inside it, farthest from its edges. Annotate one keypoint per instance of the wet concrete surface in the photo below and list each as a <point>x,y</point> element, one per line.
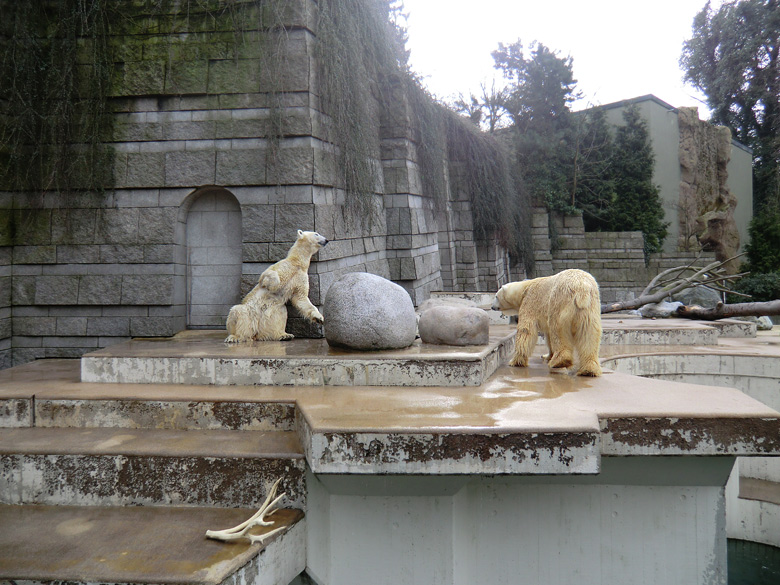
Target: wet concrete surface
<point>125,545</point>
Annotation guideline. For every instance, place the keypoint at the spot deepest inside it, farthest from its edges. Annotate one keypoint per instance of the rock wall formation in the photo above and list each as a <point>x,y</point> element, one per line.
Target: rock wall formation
<point>706,205</point>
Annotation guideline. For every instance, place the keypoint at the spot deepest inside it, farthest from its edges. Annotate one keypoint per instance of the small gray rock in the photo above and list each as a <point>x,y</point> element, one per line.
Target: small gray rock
<point>438,302</point>
<point>367,312</point>
<point>658,310</point>
<point>763,323</point>
<point>454,325</point>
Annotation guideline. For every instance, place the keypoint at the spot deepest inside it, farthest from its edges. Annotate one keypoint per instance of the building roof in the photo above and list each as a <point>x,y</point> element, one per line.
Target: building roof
<point>650,97</point>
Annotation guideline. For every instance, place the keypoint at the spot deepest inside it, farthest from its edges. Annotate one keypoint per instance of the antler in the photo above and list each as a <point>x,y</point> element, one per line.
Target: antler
<point>258,519</point>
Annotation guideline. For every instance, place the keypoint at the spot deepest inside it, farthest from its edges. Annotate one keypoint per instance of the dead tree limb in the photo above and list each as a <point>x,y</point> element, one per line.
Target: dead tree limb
<point>724,311</point>
<point>711,275</point>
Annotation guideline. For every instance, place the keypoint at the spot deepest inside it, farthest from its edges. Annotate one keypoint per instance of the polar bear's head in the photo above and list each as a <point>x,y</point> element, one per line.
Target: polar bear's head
<point>510,296</point>
<point>310,241</point>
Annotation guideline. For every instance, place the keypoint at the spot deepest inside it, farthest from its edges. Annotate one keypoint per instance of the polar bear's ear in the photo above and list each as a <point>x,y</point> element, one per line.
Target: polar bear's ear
<point>300,233</point>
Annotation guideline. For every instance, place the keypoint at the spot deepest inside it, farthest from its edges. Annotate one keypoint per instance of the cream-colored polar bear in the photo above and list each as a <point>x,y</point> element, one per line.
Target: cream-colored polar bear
<point>262,315</point>
<point>566,308</point>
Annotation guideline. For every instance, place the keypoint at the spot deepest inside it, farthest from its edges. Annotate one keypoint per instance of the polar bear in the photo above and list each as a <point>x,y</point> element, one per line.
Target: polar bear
<point>262,315</point>
<point>566,308</point>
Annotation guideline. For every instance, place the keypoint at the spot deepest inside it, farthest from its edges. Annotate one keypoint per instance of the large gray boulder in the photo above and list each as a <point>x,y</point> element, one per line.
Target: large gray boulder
<point>367,312</point>
<point>698,295</point>
<point>454,325</point>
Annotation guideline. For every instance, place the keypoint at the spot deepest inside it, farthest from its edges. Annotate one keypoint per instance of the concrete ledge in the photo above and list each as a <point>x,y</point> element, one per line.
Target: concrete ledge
<point>656,332</point>
<point>760,490</point>
<point>201,357</point>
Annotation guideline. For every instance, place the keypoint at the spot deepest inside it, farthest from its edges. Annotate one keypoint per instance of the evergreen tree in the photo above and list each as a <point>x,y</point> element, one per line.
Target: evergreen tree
<point>537,98</point>
<point>592,185</point>
<point>763,251</point>
<point>637,205</point>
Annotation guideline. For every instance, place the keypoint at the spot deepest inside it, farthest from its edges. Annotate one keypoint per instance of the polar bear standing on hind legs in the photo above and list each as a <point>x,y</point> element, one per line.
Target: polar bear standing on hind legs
<point>262,315</point>
<point>566,308</point>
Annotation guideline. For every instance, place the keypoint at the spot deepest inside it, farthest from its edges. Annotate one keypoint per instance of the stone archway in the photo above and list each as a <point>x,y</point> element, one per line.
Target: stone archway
<point>212,256</point>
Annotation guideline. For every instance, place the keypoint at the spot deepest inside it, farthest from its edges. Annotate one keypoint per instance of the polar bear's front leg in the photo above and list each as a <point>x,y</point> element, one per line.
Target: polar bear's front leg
<point>306,309</point>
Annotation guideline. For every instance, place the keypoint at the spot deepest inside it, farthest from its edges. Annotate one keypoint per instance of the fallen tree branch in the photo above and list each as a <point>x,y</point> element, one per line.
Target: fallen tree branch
<point>724,311</point>
<point>710,275</point>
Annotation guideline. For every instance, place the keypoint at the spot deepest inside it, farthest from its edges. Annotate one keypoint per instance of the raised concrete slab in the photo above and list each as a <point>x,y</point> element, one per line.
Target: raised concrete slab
<point>109,466</point>
<point>144,545</point>
<point>528,421</point>
<point>734,328</point>
<point>655,332</point>
<point>201,357</point>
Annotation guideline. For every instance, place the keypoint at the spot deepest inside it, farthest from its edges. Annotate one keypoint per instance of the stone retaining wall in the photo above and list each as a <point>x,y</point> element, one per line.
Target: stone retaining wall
<point>196,116</point>
<point>616,259</point>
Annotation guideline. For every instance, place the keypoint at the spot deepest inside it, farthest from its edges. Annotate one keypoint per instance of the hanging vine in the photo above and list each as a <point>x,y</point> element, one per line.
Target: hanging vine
<point>56,62</point>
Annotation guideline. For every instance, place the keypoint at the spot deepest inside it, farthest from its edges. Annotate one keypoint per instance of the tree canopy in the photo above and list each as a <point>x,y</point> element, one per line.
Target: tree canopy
<point>732,57</point>
<point>576,162</point>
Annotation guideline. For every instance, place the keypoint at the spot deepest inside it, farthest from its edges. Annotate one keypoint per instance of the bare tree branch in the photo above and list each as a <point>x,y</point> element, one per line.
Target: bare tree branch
<point>711,275</point>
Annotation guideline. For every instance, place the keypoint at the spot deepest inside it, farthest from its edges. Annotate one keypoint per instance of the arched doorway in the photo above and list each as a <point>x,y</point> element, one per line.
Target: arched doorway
<point>212,238</point>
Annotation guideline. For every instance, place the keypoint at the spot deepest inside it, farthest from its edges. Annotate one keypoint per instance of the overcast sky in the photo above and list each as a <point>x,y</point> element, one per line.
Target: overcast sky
<point>621,48</point>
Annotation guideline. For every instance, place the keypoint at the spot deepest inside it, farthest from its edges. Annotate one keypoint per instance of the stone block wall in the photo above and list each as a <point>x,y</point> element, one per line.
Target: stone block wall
<point>210,122</point>
<point>615,259</point>
<point>6,332</point>
<point>569,249</point>
<point>542,244</point>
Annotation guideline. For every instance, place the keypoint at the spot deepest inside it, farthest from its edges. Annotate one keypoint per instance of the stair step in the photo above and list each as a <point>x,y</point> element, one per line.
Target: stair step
<point>50,393</point>
<point>109,466</point>
<point>144,545</point>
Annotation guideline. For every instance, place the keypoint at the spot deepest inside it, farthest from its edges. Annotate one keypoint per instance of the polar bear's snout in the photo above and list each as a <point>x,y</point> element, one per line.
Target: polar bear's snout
<point>496,306</point>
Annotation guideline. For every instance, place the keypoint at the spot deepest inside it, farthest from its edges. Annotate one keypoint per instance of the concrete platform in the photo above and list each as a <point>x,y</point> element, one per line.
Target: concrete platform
<point>527,472</point>
<point>521,421</point>
<point>630,331</point>
<point>201,357</point>
<point>71,544</point>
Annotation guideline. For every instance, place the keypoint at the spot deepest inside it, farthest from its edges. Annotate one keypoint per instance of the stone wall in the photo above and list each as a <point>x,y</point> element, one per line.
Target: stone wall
<point>616,259</point>
<point>216,166</point>
<point>6,357</point>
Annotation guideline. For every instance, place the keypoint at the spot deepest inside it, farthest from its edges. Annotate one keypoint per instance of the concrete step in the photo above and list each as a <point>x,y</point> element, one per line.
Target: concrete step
<point>151,467</point>
<point>50,393</point>
<point>80,545</point>
<point>734,328</point>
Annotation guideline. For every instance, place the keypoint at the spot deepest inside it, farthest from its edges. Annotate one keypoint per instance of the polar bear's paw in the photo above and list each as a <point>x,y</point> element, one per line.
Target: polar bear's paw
<point>590,368</point>
<point>519,361</point>
<point>562,359</point>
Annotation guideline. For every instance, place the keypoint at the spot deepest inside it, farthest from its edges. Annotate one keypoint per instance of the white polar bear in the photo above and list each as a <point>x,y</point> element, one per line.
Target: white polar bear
<point>262,315</point>
<point>566,307</point>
